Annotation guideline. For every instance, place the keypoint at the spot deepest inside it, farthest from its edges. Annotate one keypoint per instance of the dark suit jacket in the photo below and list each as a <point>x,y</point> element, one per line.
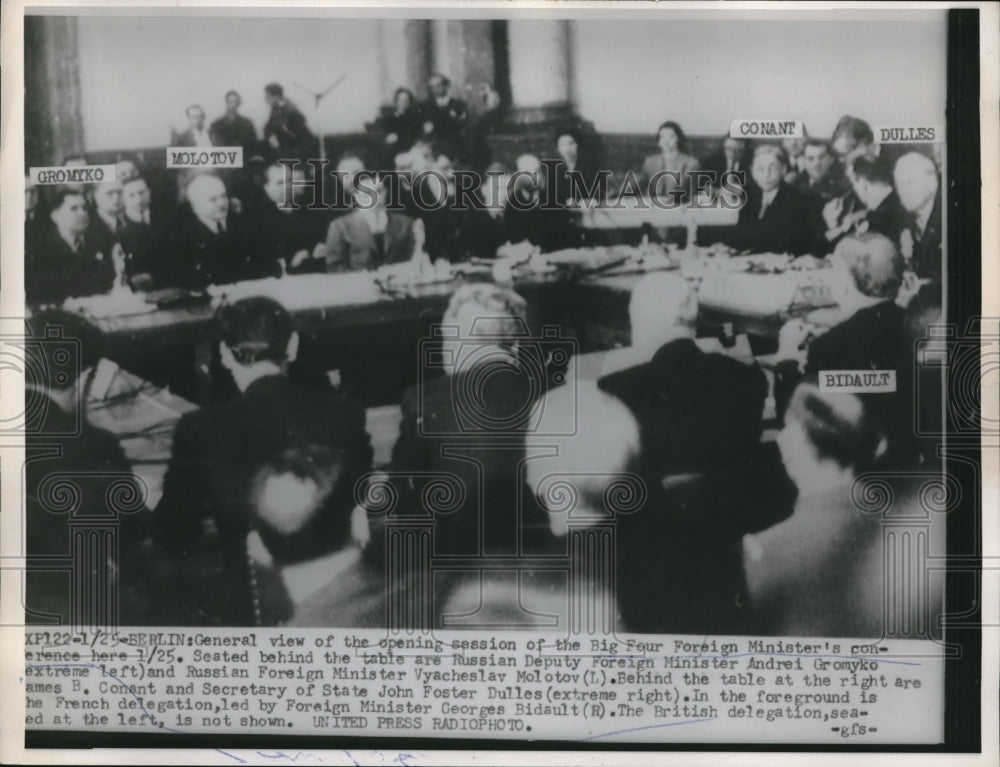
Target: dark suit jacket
<point>785,228</point>
<point>718,165</point>
<point>103,236</point>
<point>407,127</point>
<point>236,132</point>
<point>281,234</point>
<point>144,246</point>
<point>352,246</point>
<point>444,432</point>
<point>564,188</point>
<point>874,338</point>
<point>199,257</point>
<point>927,245</point>
<point>548,228</point>
<point>889,218</point>
<point>64,450</point>
<point>218,451</point>
<point>482,234</point>
<point>54,272</point>
<point>708,480</point>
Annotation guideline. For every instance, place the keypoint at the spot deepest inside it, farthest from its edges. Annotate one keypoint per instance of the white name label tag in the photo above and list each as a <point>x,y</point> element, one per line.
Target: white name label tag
<point>909,134</point>
<point>73,174</point>
<point>766,129</point>
<point>858,381</point>
<point>216,157</point>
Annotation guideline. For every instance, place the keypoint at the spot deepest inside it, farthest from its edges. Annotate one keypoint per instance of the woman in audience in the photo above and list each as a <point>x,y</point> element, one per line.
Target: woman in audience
<point>666,174</point>
<point>402,125</point>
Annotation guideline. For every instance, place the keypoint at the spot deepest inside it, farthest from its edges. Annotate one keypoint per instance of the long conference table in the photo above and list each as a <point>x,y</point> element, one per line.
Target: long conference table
<point>346,314</point>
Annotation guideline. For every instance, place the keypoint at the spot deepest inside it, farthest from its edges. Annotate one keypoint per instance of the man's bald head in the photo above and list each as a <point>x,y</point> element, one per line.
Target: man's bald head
<point>208,198</point>
<point>874,264</point>
<point>916,180</point>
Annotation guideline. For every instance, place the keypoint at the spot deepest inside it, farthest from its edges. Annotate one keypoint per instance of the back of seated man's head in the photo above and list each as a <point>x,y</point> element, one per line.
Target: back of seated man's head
<point>873,263</point>
<point>588,476</point>
<point>65,348</point>
<point>302,502</point>
<point>663,306</point>
<point>482,315</point>
<point>256,330</point>
<point>825,429</point>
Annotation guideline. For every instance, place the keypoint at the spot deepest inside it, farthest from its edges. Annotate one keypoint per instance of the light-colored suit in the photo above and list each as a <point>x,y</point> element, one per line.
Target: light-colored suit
<point>351,245</point>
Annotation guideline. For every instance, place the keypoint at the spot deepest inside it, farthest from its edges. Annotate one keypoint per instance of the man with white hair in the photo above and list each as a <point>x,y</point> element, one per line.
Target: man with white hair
<point>210,244</point>
<point>709,480</point>
<point>466,420</point>
<point>916,179</point>
<point>550,227</point>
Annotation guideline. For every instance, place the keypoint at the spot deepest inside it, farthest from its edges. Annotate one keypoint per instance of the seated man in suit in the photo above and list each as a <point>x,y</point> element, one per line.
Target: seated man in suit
<point>871,178</point>
<point>467,427</point>
<point>868,272</point>
<point>527,216</point>
<point>196,133</point>
<point>307,567</point>
<point>445,117</point>
<point>822,179</point>
<point>142,236</point>
<point>211,244</point>
<point>916,178</point>
<point>707,477</point>
<point>66,261</point>
<point>106,218</point>
<point>484,228</point>
<point>284,227</point>
<point>822,572</point>
<point>775,218</point>
<point>220,450</point>
<point>370,235</point>
<point>66,453</point>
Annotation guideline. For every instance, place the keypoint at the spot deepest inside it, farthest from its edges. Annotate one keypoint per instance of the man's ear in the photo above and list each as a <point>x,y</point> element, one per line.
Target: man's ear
<point>292,350</point>
<point>228,360</point>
